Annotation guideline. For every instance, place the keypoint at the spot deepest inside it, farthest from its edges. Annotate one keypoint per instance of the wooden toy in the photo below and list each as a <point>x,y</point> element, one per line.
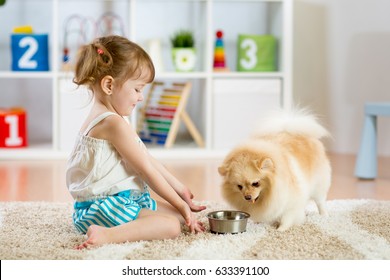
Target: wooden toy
<point>110,23</point>
<point>76,33</point>
<point>79,30</point>
<point>256,53</point>
<point>219,53</point>
<point>13,128</point>
<point>164,108</point>
<point>30,52</point>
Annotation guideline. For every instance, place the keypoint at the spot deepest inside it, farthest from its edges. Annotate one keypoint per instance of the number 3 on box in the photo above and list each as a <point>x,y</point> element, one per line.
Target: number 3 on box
<point>250,48</point>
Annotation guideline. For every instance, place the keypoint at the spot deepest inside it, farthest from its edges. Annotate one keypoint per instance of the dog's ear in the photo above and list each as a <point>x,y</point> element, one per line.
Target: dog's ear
<point>264,164</point>
<point>223,170</point>
<point>267,164</point>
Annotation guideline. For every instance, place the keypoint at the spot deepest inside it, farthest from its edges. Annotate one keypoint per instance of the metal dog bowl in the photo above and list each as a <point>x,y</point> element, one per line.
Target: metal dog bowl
<point>227,221</point>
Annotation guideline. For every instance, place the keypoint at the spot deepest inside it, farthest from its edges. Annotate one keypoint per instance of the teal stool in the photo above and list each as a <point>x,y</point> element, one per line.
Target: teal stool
<point>366,164</point>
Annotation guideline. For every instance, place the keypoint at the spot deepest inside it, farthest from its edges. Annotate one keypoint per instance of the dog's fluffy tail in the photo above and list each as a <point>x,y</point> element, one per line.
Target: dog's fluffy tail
<point>295,121</point>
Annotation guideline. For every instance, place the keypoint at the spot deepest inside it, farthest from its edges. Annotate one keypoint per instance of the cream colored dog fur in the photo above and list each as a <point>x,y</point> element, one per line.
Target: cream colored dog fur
<point>275,173</point>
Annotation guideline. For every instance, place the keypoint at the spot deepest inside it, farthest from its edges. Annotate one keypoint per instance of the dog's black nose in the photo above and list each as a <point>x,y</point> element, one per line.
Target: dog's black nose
<point>248,197</point>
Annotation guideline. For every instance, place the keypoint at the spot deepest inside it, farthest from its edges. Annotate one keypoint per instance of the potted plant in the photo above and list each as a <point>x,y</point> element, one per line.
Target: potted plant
<point>183,51</point>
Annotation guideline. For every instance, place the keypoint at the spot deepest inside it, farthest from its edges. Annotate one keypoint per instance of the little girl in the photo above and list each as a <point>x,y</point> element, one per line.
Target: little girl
<point>110,170</point>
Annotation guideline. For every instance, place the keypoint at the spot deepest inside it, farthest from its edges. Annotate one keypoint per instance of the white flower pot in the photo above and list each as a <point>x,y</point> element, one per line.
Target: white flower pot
<point>184,59</point>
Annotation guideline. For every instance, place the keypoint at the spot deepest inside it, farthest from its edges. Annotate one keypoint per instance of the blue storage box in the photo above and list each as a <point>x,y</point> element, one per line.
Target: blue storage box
<point>30,52</point>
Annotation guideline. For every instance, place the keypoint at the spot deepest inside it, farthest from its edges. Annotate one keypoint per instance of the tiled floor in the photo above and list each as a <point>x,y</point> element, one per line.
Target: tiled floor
<point>45,180</point>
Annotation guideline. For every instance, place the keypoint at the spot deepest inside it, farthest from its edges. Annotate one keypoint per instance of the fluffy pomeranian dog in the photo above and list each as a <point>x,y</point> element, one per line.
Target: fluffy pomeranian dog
<point>275,173</point>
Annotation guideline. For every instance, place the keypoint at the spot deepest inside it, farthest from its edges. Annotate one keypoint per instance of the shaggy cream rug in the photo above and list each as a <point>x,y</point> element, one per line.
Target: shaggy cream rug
<point>354,229</point>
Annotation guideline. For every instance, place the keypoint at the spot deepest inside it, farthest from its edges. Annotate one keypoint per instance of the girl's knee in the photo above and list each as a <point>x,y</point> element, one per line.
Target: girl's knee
<point>173,229</point>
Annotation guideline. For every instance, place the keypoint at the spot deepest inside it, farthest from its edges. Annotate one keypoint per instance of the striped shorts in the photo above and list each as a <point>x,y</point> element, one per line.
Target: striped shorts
<point>113,210</point>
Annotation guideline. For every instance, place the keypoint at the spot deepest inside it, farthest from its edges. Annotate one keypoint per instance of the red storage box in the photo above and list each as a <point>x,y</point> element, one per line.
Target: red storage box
<point>13,128</point>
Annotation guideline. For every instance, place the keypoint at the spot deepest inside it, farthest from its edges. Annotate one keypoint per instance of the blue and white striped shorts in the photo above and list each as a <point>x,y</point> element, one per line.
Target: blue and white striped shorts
<point>113,210</point>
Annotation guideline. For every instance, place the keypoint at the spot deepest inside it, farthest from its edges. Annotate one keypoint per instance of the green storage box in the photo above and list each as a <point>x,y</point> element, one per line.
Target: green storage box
<point>256,53</point>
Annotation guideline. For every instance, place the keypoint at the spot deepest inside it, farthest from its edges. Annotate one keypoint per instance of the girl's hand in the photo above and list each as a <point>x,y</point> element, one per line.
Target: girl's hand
<point>187,196</point>
<point>199,227</point>
<point>195,226</point>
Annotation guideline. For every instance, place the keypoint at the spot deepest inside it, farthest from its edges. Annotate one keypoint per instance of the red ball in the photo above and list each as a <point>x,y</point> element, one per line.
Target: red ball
<point>219,34</point>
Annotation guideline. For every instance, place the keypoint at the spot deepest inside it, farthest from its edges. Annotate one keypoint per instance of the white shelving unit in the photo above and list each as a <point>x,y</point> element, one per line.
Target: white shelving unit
<point>223,105</point>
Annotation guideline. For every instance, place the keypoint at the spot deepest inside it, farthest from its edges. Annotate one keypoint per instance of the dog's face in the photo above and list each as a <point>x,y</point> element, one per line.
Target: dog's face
<point>247,176</point>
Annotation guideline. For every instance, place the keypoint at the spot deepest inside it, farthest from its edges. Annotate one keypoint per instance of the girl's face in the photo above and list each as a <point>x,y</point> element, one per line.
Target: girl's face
<point>125,98</point>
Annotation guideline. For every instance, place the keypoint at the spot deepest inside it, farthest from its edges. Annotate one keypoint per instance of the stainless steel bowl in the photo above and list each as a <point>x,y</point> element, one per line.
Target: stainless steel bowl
<point>227,221</point>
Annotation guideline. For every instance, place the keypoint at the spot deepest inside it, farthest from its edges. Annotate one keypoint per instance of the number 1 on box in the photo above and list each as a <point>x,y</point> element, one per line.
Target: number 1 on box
<point>14,139</point>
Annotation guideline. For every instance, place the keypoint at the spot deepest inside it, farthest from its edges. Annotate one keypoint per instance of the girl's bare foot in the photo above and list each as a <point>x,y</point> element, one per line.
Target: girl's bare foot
<point>97,235</point>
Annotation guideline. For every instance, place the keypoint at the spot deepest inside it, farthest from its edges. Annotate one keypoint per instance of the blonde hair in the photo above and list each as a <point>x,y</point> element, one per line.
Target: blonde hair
<point>115,56</point>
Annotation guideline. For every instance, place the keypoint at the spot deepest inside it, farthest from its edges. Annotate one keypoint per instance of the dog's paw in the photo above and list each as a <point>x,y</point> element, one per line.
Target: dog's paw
<point>322,210</point>
<point>283,227</point>
<point>324,213</point>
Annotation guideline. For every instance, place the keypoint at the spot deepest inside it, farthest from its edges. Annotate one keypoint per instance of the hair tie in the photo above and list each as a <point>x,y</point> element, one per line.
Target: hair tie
<point>100,51</point>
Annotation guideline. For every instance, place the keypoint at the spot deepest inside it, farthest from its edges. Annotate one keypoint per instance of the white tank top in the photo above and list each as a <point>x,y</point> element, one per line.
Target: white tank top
<point>95,169</point>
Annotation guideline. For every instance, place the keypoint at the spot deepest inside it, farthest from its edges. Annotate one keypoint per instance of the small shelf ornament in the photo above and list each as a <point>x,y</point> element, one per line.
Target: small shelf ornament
<point>219,53</point>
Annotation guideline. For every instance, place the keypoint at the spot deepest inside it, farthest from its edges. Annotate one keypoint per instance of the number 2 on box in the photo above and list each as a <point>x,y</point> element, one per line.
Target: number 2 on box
<point>25,61</point>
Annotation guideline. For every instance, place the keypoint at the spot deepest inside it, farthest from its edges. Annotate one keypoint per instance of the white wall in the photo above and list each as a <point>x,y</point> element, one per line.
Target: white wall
<point>341,61</point>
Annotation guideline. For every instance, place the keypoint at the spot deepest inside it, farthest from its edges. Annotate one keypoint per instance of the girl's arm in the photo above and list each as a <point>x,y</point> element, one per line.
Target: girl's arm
<point>181,189</point>
<point>125,140</point>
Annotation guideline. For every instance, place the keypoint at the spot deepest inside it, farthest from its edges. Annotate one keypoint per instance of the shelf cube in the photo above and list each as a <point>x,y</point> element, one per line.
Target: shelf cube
<point>30,52</point>
<point>13,128</point>
<point>257,97</point>
<point>256,53</point>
